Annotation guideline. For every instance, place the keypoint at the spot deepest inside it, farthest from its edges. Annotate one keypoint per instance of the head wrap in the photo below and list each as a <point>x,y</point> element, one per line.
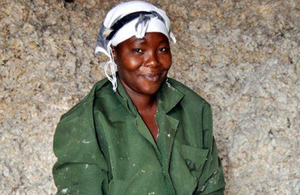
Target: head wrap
<point>134,18</point>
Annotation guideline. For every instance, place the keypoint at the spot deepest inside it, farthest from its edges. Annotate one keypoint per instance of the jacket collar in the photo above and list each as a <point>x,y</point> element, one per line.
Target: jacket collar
<point>124,98</point>
<point>168,97</point>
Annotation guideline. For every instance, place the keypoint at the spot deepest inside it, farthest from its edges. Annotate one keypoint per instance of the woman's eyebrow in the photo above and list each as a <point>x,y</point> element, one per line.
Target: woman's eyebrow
<point>164,41</point>
<point>139,41</point>
<point>143,42</point>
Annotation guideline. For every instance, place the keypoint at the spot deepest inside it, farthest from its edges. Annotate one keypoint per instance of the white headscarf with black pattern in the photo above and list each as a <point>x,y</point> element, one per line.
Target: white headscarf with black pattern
<point>134,18</point>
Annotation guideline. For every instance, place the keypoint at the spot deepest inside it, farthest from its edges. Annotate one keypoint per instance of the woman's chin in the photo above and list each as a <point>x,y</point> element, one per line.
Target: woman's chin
<point>147,90</point>
<point>151,86</point>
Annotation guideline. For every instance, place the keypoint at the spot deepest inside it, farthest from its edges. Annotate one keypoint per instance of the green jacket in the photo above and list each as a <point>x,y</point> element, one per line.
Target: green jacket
<point>104,147</point>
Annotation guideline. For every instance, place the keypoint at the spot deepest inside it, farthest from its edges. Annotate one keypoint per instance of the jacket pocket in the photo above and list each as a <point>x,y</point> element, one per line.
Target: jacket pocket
<point>194,159</point>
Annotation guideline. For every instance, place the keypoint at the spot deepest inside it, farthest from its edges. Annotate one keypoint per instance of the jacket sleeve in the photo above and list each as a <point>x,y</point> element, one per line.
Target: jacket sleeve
<point>211,180</point>
<point>81,167</point>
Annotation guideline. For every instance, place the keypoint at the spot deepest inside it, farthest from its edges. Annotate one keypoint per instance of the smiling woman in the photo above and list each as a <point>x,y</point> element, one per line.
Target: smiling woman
<point>138,131</point>
<point>143,64</point>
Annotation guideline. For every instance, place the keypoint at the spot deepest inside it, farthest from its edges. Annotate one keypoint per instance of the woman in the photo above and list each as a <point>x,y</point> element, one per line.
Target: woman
<point>137,132</point>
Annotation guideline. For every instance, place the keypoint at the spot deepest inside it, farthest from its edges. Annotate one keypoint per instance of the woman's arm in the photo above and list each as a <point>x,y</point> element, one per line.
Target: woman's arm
<point>211,180</point>
<point>81,167</point>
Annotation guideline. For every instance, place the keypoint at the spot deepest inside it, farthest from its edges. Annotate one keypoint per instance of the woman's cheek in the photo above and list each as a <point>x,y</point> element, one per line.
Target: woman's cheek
<point>167,63</point>
<point>133,64</point>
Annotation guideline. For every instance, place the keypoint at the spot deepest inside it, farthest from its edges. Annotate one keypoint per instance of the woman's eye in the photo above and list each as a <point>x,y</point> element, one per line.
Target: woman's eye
<point>137,50</point>
<point>164,49</point>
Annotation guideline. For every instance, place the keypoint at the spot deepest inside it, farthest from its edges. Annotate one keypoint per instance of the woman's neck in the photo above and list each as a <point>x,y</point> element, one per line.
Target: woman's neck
<point>147,107</point>
<point>142,102</point>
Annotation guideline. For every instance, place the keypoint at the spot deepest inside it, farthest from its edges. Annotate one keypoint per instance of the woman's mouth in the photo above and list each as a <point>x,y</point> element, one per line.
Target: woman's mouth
<point>153,77</point>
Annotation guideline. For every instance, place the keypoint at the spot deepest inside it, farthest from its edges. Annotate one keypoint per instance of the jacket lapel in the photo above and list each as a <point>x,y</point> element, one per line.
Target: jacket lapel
<point>140,124</point>
<point>168,98</point>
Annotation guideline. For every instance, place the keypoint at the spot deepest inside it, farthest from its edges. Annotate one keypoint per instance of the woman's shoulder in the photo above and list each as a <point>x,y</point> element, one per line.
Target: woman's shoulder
<point>189,94</point>
<point>85,106</point>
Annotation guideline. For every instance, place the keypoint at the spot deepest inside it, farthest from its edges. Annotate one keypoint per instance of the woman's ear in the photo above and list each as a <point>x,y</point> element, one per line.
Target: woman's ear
<point>114,51</point>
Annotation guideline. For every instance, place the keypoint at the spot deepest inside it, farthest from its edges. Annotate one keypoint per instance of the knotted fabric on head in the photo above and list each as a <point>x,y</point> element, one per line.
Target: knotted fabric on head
<point>134,18</point>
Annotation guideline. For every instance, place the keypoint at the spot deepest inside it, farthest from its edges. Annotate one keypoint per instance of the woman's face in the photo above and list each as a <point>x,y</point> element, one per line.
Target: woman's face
<point>143,64</point>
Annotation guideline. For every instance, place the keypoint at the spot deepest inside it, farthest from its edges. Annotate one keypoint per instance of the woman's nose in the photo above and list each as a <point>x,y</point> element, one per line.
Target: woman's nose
<point>152,60</point>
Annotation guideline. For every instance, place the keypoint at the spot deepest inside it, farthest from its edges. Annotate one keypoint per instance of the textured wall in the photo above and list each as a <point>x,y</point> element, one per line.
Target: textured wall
<point>243,56</point>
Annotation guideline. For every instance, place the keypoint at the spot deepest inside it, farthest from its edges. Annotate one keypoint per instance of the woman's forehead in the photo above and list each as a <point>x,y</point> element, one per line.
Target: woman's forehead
<point>150,37</point>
